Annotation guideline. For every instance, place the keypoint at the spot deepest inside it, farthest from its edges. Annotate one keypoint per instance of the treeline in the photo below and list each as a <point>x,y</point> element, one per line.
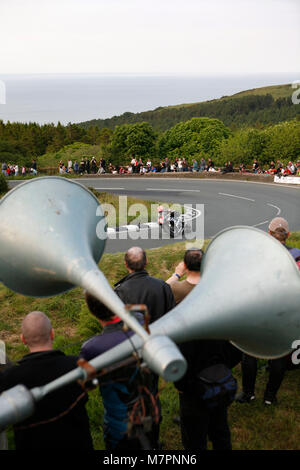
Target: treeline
<point>193,139</point>
<point>250,110</point>
<point>20,143</point>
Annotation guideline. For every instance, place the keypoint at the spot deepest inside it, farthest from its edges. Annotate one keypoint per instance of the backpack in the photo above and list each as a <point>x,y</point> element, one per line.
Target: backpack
<point>216,386</point>
<point>295,252</point>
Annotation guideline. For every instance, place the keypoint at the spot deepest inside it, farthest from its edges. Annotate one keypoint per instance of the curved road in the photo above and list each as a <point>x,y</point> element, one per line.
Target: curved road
<point>226,203</point>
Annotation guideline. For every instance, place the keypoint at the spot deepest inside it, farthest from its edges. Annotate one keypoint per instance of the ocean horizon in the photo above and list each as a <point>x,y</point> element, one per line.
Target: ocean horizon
<point>64,98</point>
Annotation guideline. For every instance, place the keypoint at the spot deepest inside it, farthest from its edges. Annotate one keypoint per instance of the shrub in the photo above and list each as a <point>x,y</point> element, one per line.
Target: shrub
<point>3,184</point>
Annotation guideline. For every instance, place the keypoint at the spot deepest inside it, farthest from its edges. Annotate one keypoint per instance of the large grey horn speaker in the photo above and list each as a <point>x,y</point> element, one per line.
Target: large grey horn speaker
<point>52,235</point>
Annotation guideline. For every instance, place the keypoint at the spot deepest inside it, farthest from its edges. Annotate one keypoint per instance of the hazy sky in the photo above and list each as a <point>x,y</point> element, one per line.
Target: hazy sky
<point>149,36</point>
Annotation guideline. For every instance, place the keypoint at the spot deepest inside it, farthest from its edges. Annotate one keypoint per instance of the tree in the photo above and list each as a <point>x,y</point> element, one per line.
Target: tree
<point>132,140</point>
<point>198,135</point>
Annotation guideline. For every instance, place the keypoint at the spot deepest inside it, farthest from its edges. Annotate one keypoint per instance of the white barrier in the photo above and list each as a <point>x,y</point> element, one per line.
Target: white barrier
<point>287,179</point>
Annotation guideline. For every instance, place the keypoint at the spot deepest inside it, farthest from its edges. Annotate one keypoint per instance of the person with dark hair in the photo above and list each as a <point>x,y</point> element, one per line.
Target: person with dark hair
<point>279,229</point>
<point>124,390</point>
<point>190,266</point>
<point>60,420</point>
<point>197,420</point>
<point>140,288</point>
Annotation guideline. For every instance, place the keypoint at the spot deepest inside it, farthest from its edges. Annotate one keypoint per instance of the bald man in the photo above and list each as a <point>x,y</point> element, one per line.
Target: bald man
<point>50,427</point>
<point>140,288</point>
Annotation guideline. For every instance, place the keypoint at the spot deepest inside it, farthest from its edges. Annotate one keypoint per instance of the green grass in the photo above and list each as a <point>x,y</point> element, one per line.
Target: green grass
<point>252,425</point>
<point>277,91</point>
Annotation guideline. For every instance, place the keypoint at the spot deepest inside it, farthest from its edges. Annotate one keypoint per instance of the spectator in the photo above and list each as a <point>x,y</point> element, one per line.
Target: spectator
<point>272,168</point>
<point>255,166</point>
<point>242,168</point>
<point>4,168</point>
<point>122,389</point>
<point>210,165</point>
<point>140,288</point>
<point>202,166</point>
<point>34,166</point>
<point>291,168</point>
<point>278,229</point>
<point>180,164</point>
<point>134,164</point>
<point>176,164</point>
<point>197,420</point>
<point>42,365</point>
<point>228,168</point>
<point>82,167</point>
<point>94,165</point>
<point>195,167</point>
<point>279,168</point>
<point>87,166</point>
<point>190,267</point>
<point>70,166</point>
<point>76,167</point>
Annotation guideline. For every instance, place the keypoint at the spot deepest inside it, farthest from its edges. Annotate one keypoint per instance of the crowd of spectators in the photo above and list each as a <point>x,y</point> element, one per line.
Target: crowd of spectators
<point>132,410</point>
<point>8,169</point>
<point>140,167</point>
<point>82,166</point>
<point>89,165</point>
<point>291,169</point>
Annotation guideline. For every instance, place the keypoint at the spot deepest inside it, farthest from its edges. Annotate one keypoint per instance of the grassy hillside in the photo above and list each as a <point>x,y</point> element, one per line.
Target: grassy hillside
<point>276,91</point>
<point>266,105</point>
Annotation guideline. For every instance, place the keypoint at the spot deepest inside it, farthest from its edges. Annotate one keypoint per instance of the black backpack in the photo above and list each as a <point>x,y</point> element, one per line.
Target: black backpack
<point>216,386</point>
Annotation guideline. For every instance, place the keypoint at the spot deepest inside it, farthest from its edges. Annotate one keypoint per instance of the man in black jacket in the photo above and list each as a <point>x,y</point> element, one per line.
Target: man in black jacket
<point>140,288</point>
<point>60,420</point>
<point>198,422</point>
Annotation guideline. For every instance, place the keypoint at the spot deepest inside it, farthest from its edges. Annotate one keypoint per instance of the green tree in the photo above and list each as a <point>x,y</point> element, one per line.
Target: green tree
<point>198,135</point>
<point>136,140</point>
<point>283,142</point>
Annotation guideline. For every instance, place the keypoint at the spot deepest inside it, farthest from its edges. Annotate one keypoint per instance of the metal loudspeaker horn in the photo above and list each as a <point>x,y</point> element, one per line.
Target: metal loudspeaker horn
<point>249,294</point>
<point>52,235</point>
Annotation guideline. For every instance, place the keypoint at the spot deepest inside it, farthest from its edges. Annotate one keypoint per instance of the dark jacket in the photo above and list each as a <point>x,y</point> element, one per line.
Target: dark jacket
<point>68,432</point>
<point>140,288</point>
<point>120,389</point>
<point>201,354</point>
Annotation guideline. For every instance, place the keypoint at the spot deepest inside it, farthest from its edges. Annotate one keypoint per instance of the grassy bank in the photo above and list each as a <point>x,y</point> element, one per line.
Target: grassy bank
<point>253,426</point>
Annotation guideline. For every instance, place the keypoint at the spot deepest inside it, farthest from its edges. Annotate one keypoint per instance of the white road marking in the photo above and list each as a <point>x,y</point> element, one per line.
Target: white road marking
<point>239,197</point>
<point>261,223</point>
<point>278,208</point>
<point>176,190</point>
<point>107,188</point>
<point>267,221</point>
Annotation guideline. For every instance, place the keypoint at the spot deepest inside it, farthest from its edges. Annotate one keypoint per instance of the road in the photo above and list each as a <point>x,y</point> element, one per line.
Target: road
<point>226,203</point>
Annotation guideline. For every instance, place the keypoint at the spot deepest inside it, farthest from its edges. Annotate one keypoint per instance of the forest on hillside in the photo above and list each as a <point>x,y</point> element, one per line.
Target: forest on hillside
<point>250,110</point>
<point>233,128</point>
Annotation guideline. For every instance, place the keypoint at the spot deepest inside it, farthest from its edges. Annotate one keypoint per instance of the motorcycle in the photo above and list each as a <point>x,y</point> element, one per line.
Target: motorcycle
<point>172,222</point>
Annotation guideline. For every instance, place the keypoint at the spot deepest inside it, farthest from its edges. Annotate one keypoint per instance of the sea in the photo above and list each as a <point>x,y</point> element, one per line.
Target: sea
<point>65,98</point>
